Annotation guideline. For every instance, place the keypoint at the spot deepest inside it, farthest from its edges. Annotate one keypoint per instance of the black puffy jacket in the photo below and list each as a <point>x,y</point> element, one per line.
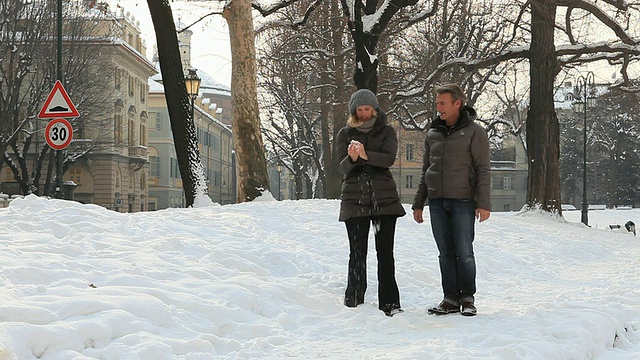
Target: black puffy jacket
<point>368,188</point>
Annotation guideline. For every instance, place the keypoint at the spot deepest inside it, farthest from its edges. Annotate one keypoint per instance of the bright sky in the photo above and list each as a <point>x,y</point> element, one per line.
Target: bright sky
<point>210,49</point>
<point>265,280</point>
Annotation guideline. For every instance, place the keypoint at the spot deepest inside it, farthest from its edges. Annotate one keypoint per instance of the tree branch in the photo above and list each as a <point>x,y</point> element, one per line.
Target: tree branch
<point>600,15</point>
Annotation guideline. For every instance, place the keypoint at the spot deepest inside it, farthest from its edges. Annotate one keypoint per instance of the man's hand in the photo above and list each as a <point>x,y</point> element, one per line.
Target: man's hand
<point>417,216</point>
<point>482,214</point>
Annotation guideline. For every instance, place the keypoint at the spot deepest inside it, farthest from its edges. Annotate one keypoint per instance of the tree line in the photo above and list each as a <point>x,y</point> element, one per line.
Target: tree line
<point>312,54</point>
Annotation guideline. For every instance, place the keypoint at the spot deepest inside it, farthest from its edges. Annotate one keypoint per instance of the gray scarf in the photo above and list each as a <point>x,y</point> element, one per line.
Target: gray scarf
<point>364,127</point>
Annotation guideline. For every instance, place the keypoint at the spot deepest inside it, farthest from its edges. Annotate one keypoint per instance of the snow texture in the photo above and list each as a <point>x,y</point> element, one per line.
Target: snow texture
<point>266,280</point>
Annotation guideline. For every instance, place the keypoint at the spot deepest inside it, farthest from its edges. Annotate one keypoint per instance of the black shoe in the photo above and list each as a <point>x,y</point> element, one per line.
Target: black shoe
<point>444,308</point>
<point>468,309</point>
<point>351,302</point>
<point>391,309</point>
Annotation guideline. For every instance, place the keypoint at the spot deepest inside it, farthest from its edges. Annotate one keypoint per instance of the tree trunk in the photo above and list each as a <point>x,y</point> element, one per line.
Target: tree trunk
<point>366,73</point>
<point>252,165</point>
<point>178,103</point>
<point>543,188</point>
<point>339,113</point>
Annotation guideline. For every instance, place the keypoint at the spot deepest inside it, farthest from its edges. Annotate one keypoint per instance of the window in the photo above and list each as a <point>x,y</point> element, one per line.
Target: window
<point>132,130</point>
<point>118,78</point>
<point>409,181</point>
<point>117,127</point>
<point>506,183</point>
<point>75,175</point>
<point>496,182</point>
<point>143,181</point>
<point>154,166</point>
<point>143,93</point>
<point>175,170</point>
<point>215,142</point>
<point>143,131</point>
<point>409,152</point>
<point>131,85</point>
<point>158,121</point>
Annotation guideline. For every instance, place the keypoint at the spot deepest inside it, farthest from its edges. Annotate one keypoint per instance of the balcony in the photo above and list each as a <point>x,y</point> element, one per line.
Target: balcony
<point>137,154</point>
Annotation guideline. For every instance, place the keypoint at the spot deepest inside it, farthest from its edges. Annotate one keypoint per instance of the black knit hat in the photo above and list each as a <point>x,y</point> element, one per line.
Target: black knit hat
<point>362,97</point>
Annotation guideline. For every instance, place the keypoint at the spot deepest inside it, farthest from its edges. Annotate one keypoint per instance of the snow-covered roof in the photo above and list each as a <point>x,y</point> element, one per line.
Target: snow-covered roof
<point>157,88</point>
<point>207,83</point>
<point>565,96</point>
<point>154,86</point>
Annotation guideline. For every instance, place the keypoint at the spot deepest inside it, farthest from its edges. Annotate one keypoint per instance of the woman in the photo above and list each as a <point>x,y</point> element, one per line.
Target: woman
<point>366,147</point>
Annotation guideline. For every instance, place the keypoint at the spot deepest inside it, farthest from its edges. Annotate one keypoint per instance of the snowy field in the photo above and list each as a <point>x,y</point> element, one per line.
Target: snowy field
<point>265,280</point>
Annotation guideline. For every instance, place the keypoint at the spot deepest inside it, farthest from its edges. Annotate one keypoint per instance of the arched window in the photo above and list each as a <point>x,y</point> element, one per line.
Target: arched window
<point>118,126</point>
<point>143,128</point>
<point>131,118</point>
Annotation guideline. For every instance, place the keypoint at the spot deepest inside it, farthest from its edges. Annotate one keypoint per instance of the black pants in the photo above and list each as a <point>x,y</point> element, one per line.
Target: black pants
<point>358,232</point>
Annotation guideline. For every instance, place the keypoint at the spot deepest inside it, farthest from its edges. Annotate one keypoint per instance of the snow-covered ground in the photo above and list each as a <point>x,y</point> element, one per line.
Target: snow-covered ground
<point>266,280</point>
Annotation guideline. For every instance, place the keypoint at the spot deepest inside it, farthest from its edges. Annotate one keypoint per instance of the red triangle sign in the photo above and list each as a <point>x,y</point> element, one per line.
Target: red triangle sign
<point>58,104</point>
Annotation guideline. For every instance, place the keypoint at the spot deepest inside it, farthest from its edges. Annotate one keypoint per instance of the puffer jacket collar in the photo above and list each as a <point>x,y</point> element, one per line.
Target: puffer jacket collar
<point>467,116</point>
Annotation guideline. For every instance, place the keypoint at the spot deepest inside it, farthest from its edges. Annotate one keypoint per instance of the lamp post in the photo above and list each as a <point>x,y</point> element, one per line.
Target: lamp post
<point>585,91</point>
<point>279,169</point>
<point>192,82</point>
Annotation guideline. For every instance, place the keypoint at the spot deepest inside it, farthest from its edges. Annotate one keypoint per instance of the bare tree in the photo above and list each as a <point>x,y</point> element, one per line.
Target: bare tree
<point>302,73</point>
<point>537,21</point>
<point>251,162</point>
<point>252,165</point>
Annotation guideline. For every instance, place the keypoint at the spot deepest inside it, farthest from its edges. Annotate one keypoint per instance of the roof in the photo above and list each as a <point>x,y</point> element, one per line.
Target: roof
<point>207,83</point>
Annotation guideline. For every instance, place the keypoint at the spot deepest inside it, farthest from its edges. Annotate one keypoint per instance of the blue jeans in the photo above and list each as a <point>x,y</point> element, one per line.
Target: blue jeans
<point>452,223</point>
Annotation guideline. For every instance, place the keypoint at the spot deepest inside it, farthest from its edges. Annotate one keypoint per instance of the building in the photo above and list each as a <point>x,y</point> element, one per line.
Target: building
<point>509,176</point>
<point>215,140</point>
<point>113,172</point>
<point>215,143</point>
<point>116,176</point>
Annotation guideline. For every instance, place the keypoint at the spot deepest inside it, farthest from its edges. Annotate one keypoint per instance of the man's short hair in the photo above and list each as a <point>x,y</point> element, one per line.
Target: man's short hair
<point>454,89</point>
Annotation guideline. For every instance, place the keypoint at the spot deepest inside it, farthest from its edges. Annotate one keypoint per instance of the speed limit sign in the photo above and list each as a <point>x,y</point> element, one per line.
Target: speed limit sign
<point>58,133</point>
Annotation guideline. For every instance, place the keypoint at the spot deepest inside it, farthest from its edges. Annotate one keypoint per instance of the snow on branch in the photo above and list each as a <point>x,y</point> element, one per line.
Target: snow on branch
<point>596,11</point>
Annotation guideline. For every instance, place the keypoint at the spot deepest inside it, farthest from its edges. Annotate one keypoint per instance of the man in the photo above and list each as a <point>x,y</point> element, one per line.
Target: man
<point>456,181</point>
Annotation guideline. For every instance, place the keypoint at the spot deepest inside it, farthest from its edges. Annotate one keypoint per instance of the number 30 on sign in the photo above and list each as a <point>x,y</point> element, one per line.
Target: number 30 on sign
<point>58,133</point>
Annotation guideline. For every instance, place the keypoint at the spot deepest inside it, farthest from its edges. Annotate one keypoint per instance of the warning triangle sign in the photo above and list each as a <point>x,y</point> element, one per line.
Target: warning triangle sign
<point>58,104</point>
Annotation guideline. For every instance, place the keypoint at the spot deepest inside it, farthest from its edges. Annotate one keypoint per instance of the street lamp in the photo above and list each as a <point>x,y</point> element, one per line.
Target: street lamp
<point>279,169</point>
<point>192,81</point>
<point>586,99</point>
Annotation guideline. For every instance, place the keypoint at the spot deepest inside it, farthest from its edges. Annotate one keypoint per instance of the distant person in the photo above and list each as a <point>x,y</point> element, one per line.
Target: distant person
<point>365,148</point>
<point>456,182</point>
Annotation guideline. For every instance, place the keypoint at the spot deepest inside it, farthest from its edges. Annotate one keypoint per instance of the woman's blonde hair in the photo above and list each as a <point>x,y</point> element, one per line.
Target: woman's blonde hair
<point>353,121</point>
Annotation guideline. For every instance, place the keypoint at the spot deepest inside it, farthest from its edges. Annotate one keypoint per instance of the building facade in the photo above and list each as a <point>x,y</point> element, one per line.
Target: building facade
<point>215,144</point>
<point>113,170</point>
<point>212,117</point>
<point>115,176</point>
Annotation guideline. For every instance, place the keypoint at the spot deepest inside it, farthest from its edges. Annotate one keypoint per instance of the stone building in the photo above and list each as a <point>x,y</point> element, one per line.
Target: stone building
<point>114,171</point>
<point>116,176</point>
<point>212,116</point>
